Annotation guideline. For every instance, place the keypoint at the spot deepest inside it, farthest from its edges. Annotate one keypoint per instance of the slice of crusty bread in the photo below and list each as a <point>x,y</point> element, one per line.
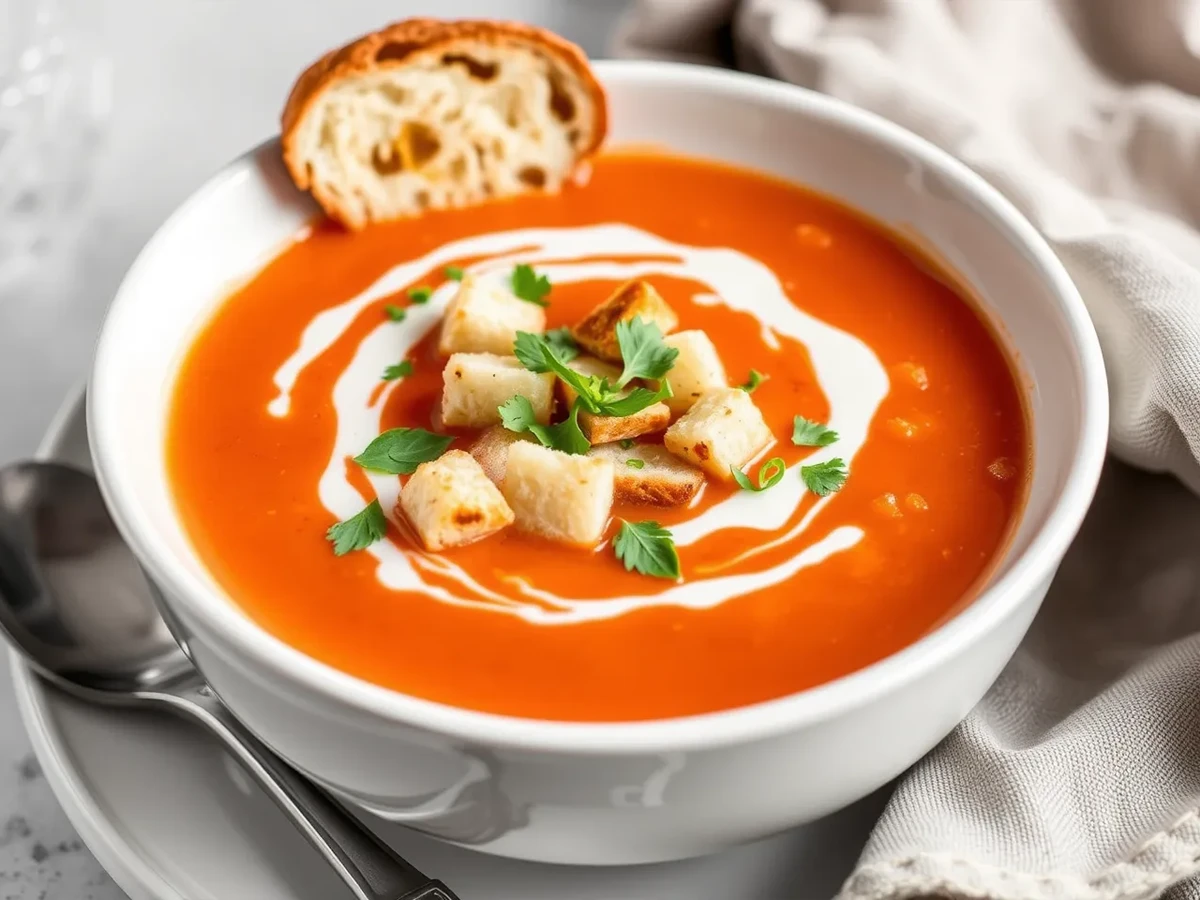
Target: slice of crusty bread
<point>428,114</point>
<point>662,480</point>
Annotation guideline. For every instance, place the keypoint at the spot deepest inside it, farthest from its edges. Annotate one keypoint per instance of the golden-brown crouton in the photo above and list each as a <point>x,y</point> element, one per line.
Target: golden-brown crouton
<point>655,475</point>
<point>597,332</point>
<point>484,317</point>
<point>558,496</point>
<point>603,429</point>
<point>474,385</point>
<point>723,429</point>
<point>450,502</point>
<point>697,369</point>
<point>490,450</point>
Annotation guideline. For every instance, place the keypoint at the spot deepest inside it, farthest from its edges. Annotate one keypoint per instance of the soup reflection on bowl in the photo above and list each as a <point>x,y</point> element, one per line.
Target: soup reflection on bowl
<point>936,412</point>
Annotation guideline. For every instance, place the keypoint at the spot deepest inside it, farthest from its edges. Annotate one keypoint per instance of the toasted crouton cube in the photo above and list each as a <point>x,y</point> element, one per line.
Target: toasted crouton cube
<point>490,450</point>
<point>558,496</point>
<point>656,476</point>
<point>474,385</point>
<point>484,317</point>
<point>697,369</point>
<point>604,429</point>
<point>597,332</point>
<point>450,502</point>
<point>723,429</point>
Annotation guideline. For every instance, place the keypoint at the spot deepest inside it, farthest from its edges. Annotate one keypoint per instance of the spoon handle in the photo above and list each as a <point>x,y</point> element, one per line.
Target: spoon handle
<point>371,869</point>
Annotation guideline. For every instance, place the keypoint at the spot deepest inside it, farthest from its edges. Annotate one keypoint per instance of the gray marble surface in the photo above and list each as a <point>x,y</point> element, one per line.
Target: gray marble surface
<point>196,82</point>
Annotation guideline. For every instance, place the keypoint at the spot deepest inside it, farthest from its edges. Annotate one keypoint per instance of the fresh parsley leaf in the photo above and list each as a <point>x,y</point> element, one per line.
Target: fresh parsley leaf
<point>360,530</point>
<point>420,294</point>
<point>517,415</point>
<point>395,313</point>
<point>637,400</point>
<point>636,463</point>
<point>454,273</point>
<point>769,475</point>
<point>400,450</point>
<point>527,348</point>
<point>530,286</point>
<point>824,478</point>
<point>643,351</point>
<point>627,443</point>
<point>400,370</point>
<point>756,378</point>
<point>648,548</point>
<point>563,344</point>
<point>537,354</point>
<point>807,433</point>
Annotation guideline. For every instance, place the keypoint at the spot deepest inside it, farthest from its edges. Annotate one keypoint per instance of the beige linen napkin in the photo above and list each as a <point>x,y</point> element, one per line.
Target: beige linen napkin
<point>1078,776</point>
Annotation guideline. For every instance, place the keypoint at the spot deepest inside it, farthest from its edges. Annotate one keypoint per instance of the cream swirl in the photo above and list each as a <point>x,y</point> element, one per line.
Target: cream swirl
<point>848,371</point>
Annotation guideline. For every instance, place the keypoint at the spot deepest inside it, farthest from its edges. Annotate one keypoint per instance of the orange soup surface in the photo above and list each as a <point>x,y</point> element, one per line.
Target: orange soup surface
<point>517,625</point>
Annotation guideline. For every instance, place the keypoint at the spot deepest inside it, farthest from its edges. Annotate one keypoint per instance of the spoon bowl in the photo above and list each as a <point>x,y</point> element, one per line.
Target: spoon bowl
<point>74,603</point>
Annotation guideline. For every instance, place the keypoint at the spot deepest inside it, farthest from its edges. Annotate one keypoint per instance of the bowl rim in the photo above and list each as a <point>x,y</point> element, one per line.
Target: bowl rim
<point>757,721</point>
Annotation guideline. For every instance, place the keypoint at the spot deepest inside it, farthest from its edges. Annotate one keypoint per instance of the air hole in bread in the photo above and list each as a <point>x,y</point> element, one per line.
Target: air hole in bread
<point>422,199</point>
<point>386,165</point>
<point>534,176</point>
<point>480,71</point>
<point>418,143</point>
<point>561,104</point>
<point>394,93</point>
<point>458,168</point>
<point>395,50</point>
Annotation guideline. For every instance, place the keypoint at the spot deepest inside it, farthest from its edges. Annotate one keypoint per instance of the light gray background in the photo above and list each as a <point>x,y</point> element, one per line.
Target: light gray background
<point>196,83</point>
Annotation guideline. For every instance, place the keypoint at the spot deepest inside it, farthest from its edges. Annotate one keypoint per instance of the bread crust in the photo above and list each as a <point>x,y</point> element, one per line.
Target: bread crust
<point>413,39</point>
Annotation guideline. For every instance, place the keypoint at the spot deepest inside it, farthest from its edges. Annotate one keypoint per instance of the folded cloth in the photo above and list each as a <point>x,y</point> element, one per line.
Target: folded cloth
<point>1078,776</point>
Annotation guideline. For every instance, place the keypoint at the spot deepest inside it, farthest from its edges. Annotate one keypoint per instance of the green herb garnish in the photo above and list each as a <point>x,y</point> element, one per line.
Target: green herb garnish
<point>395,313</point>
<point>636,463</point>
<point>643,351</point>
<point>769,475</point>
<point>517,415</point>
<point>454,273</point>
<point>400,450</point>
<point>359,531</point>
<point>420,294</point>
<point>626,443</point>
<point>645,356</point>
<point>756,378</point>
<point>807,433</point>
<point>563,343</point>
<point>400,370</point>
<point>824,478</point>
<point>648,548</point>
<point>530,286</point>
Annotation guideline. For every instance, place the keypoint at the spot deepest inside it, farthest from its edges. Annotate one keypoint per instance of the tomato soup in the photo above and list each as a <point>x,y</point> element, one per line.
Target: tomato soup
<point>780,590</point>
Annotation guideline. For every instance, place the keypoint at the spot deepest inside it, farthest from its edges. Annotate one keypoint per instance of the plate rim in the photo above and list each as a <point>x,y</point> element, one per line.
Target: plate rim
<point>119,857</point>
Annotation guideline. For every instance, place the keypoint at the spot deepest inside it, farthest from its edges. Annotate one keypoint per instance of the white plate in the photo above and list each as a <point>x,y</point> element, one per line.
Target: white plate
<point>171,818</point>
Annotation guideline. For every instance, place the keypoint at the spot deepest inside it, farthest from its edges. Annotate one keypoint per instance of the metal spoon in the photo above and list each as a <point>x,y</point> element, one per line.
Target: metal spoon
<point>74,602</point>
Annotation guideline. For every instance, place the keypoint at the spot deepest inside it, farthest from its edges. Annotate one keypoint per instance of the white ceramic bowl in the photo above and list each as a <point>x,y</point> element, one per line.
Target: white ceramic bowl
<point>638,792</point>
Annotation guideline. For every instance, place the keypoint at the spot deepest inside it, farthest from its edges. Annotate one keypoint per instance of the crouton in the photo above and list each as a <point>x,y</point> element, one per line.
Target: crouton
<point>484,316</point>
<point>490,450</point>
<point>597,332</point>
<point>697,369</point>
<point>449,502</point>
<point>559,496</point>
<point>602,429</point>
<point>474,385</point>
<point>723,429</point>
<point>661,479</point>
